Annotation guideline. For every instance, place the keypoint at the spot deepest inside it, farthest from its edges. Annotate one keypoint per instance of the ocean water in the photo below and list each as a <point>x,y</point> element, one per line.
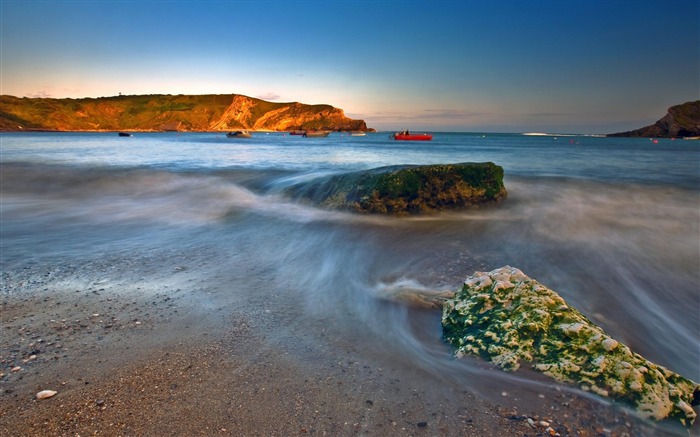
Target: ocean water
<point>611,224</point>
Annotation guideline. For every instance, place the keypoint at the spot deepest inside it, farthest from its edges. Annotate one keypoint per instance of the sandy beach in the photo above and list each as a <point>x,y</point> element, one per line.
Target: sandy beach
<point>130,359</point>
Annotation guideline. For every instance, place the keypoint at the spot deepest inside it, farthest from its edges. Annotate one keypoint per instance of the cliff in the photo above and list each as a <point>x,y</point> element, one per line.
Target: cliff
<point>680,121</point>
<point>202,113</point>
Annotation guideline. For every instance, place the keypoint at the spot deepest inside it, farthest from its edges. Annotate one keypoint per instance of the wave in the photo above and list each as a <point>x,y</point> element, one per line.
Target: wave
<point>143,196</point>
<point>625,255</point>
<point>543,134</point>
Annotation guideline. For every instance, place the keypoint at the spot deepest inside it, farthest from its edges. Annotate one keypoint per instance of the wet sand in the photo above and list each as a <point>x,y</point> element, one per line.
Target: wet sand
<point>135,357</point>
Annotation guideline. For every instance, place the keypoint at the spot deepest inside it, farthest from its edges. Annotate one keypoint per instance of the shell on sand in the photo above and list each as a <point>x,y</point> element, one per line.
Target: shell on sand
<point>45,394</point>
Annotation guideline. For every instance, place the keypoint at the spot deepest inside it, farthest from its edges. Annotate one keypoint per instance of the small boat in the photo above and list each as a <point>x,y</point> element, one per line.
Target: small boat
<point>410,136</point>
<point>357,134</point>
<point>239,134</point>
<point>125,134</point>
<point>320,133</point>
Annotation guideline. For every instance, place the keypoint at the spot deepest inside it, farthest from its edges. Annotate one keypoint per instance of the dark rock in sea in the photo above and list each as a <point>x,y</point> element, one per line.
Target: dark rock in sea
<point>403,190</point>
<point>680,121</point>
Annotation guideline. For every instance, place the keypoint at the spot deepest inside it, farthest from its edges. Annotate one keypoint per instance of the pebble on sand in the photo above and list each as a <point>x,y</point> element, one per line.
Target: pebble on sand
<point>45,394</point>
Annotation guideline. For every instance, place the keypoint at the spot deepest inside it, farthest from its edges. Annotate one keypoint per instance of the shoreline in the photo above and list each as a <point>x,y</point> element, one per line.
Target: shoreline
<point>160,360</point>
<point>109,131</point>
<point>369,130</point>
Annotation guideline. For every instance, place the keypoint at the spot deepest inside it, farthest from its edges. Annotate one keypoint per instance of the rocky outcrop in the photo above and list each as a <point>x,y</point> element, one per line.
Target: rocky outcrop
<point>680,121</point>
<point>166,113</point>
<point>402,190</point>
<point>250,114</point>
<point>506,317</point>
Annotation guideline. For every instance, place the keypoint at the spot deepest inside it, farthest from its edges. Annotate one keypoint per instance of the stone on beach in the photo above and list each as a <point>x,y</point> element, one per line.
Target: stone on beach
<point>46,394</point>
<point>506,317</point>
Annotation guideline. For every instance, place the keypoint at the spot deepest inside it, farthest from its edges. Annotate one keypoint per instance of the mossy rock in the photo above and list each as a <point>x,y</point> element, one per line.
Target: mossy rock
<point>402,190</point>
<point>506,317</point>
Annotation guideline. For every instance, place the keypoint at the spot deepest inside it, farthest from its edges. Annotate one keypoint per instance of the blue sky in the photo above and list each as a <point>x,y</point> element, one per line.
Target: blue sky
<point>497,66</point>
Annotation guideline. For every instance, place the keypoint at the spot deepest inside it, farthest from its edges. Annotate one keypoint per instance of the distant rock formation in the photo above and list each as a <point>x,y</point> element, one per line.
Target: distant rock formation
<point>403,190</point>
<point>197,113</point>
<point>680,121</point>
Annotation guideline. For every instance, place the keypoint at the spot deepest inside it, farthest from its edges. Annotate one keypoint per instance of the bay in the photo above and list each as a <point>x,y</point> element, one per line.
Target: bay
<point>611,224</point>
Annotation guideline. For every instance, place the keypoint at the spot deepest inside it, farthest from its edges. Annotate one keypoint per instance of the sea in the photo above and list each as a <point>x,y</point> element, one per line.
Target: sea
<point>611,224</point>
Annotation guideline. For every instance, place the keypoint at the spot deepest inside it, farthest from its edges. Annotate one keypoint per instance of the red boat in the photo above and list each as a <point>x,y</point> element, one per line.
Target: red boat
<point>409,136</point>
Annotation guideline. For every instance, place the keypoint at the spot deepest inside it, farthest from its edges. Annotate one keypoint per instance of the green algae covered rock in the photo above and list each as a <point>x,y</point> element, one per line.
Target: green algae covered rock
<point>506,317</point>
<point>402,190</point>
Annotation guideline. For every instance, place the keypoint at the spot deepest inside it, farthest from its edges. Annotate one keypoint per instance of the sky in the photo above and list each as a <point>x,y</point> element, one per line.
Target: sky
<point>558,66</point>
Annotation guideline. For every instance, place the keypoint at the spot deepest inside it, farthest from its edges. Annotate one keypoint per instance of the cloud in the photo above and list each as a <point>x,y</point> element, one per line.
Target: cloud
<point>268,96</point>
<point>451,114</point>
<point>430,114</point>
<point>50,92</point>
<point>40,95</point>
<point>547,114</point>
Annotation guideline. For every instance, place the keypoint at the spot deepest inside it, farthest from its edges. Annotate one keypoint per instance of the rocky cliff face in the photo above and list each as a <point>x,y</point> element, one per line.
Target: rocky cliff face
<point>680,121</point>
<point>168,113</point>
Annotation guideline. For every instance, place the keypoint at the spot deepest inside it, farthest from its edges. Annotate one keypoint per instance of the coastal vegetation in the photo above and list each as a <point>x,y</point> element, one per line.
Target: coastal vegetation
<point>224,112</point>
<point>201,113</point>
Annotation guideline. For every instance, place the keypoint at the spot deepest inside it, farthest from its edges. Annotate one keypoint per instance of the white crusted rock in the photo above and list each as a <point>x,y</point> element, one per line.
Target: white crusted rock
<point>506,317</point>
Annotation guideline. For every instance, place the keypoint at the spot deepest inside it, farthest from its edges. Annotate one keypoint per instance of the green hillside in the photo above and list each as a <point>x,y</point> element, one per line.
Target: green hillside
<point>167,112</point>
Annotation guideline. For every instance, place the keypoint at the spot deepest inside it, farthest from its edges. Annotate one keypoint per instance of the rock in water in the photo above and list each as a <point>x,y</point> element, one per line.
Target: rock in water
<point>45,394</point>
<point>402,190</point>
<point>680,121</point>
<point>505,317</point>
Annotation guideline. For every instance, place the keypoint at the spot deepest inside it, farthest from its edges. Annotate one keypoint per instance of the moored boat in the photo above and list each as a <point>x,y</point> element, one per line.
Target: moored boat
<point>125,134</point>
<point>319,133</point>
<point>239,134</point>
<point>410,136</point>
